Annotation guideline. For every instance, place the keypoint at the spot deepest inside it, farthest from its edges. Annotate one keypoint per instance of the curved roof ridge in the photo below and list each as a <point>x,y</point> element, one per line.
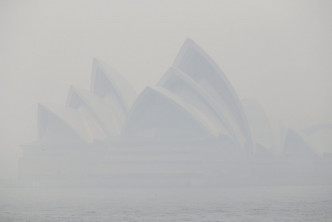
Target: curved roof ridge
<point>195,62</point>
<point>297,145</point>
<point>78,98</point>
<point>102,111</point>
<point>190,109</point>
<point>71,94</point>
<point>191,112</point>
<point>260,126</point>
<point>199,92</point>
<point>106,80</point>
<point>66,128</point>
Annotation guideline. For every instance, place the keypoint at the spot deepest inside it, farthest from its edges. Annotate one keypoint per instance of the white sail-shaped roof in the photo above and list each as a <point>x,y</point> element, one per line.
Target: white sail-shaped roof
<point>260,126</point>
<point>295,145</point>
<point>60,125</point>
<point>108,82</point>
<point>193,100</point>
<point>159,114</point>
<point>104,112</point>
<point>115,94</point>
<point>186,89</point>
<point>90,109</point>
<point>193,61</point>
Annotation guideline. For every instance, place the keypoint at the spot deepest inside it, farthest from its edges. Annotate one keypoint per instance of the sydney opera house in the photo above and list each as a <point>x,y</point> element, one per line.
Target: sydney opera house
<point>190,129</point>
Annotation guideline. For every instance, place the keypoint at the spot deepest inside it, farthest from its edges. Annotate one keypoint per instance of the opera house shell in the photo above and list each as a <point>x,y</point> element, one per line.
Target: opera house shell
<point>188,129</point>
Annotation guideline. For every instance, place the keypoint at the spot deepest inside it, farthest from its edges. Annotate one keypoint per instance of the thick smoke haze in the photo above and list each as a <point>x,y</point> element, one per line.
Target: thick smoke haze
<point>179,110</point>
<point>276,52</point>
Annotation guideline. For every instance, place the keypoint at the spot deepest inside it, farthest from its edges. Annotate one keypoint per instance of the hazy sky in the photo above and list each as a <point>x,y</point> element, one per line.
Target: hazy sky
<point>277,52</point>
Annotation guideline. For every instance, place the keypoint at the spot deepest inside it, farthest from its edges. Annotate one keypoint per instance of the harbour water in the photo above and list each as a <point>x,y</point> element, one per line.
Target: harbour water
<point>281,203</point>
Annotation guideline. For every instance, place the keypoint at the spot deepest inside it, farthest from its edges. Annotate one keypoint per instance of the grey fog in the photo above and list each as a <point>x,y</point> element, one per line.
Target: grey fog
<point>165,110</point>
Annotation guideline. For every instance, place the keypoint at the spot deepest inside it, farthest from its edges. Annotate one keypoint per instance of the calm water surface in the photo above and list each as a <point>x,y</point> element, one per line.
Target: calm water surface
<point>224,204</point>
